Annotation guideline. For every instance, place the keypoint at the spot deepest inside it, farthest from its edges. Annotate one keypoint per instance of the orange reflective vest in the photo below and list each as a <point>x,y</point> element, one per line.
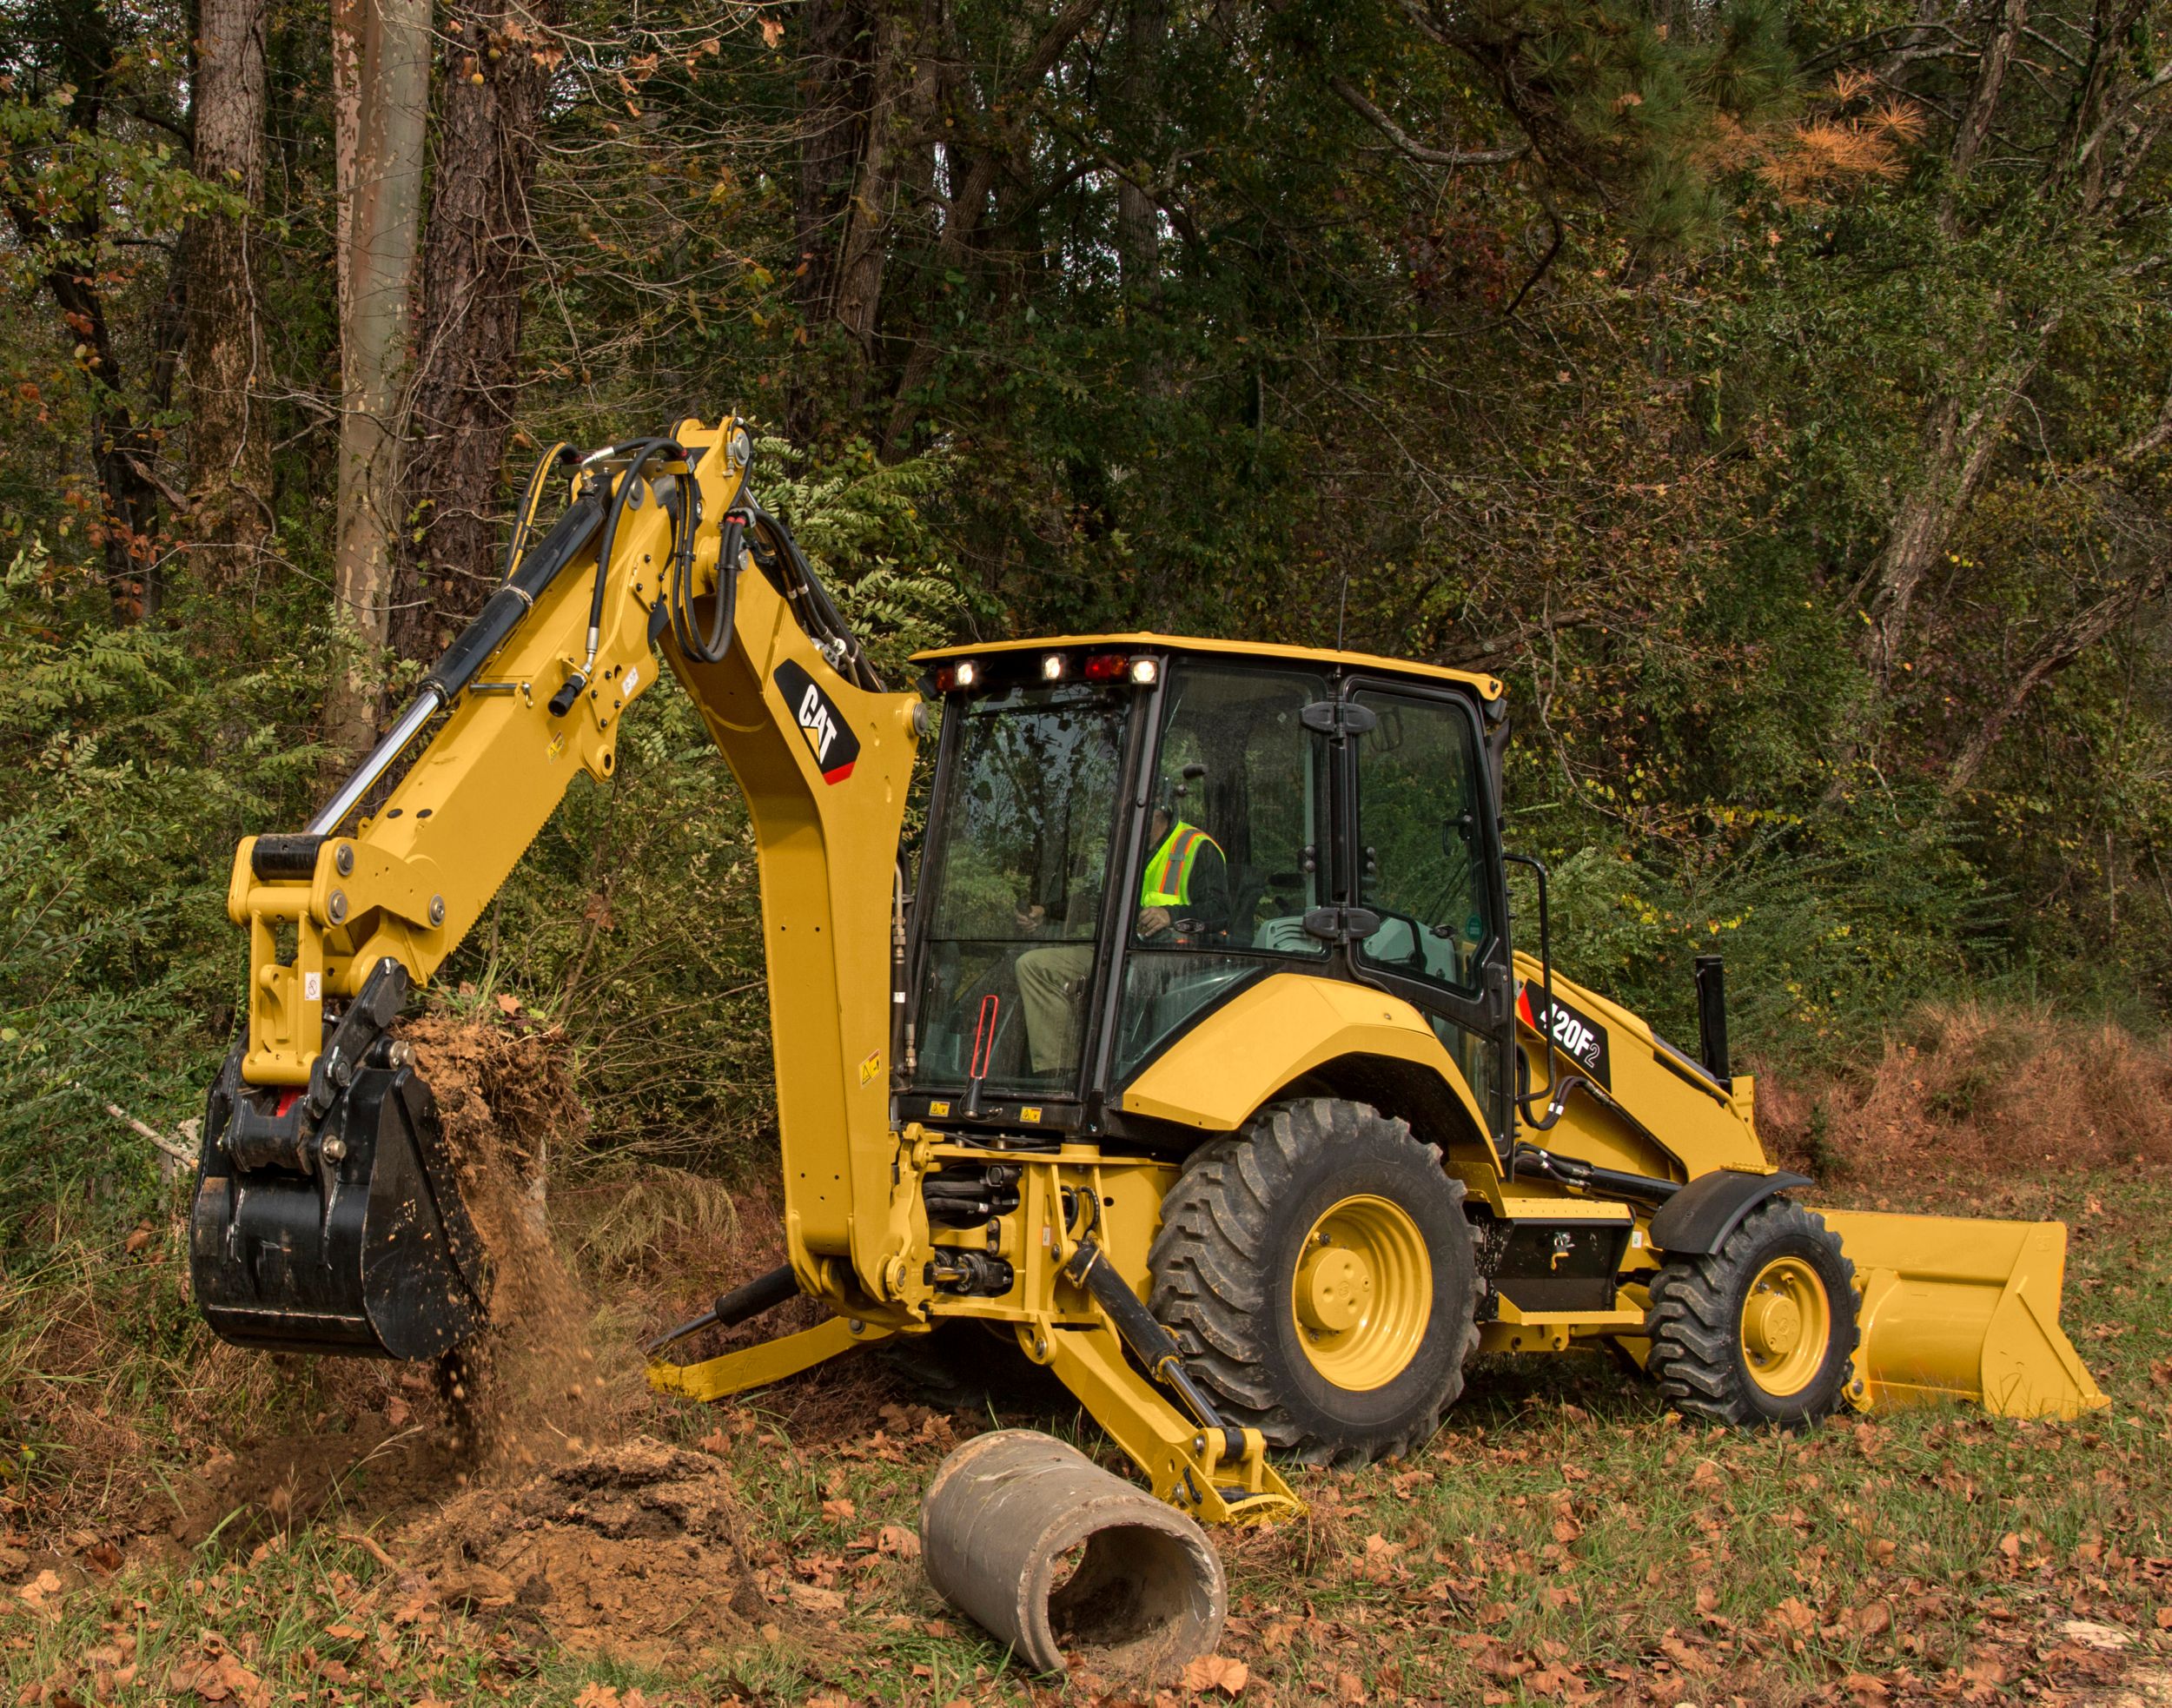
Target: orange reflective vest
<point>1169,874</point>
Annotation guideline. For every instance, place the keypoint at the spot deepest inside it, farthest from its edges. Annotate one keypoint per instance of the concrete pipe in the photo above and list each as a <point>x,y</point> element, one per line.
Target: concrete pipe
<point>1069,1564</point>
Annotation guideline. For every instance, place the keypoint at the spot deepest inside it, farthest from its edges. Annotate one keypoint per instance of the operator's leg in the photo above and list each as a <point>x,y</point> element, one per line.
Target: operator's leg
<point>1051,989</point>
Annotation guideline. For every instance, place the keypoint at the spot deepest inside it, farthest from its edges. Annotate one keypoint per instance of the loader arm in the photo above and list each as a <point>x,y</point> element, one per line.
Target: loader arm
<point>371,899</point>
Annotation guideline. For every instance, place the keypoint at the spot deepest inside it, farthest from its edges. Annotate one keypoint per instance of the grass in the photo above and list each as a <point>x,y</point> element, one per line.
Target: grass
<point>1561,1539</point>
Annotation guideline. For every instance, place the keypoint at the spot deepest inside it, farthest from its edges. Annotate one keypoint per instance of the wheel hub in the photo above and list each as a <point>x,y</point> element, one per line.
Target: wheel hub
<point>1772,1325</point>
<point>1334,1286</point>
<point>1786,1325</point>
<point>1360,1293</point>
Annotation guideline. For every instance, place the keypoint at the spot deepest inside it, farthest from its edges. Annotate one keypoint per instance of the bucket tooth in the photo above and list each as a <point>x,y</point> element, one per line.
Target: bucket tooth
<point>1959,1309</point>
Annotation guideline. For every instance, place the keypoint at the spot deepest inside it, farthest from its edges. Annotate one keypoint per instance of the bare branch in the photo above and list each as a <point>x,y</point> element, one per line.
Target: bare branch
<point>1409,145</point>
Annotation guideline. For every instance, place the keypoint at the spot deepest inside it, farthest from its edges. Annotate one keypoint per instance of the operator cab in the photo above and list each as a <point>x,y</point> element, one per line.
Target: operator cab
<point>1126,832</point>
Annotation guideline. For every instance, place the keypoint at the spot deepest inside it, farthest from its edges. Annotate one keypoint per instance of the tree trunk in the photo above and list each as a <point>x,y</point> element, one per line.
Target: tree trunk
<point>229,437</point>
<point>380,52</point>
<point>1138,220</point>
<point>902,99</point>
<point>1008,111</point>
<point>835,94</point>
<point>1959,445</point>
<point>467,336</point>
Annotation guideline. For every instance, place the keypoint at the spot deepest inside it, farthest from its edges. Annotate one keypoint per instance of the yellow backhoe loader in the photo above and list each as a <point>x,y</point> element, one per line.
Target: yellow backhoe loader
<point>1194,1060</point>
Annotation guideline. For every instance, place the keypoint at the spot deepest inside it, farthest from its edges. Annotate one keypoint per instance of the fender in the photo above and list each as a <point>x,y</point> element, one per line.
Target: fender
<point>1234,1060</point>
<point>1695,1220</point>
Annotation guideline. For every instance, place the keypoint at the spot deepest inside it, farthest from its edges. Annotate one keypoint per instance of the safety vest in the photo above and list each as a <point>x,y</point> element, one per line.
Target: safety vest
<point>1169,874</point>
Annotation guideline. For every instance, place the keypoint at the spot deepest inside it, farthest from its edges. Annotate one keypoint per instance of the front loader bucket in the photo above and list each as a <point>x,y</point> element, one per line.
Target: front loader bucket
<point>349,1238</point>
<point>1959,1309</point>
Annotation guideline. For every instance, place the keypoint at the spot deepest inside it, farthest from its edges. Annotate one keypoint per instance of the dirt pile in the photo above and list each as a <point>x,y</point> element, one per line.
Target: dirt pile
<point>1981,1095</point>
<point>633,1549</point>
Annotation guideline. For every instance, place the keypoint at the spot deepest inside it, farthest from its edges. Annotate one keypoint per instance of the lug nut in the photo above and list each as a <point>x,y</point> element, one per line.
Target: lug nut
<point>437,910</point>
<point>344,860</point>
<point>335,907</point>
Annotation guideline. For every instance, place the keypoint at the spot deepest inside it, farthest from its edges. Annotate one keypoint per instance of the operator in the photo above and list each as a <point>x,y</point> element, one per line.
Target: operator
<point>1183,902</point>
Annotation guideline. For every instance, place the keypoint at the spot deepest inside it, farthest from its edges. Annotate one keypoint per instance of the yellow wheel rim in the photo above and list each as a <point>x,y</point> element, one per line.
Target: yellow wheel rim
<point>1786,1326</point>
<point>1362,1293</point>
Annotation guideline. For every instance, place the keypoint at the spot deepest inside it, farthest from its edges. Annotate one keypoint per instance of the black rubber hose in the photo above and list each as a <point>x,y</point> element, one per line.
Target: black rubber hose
<point>639,453</point>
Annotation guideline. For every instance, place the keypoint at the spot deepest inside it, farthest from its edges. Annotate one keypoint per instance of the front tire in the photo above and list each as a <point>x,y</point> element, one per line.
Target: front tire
<point>1317,1270</point>
<point>1760,1334</point>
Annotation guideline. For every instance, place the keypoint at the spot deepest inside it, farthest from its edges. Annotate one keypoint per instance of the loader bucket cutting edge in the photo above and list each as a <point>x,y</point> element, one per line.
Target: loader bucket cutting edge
<point>1958,1309</point>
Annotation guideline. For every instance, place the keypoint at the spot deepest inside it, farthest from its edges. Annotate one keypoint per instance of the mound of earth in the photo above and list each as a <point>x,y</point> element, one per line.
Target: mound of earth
<point>632,1549</point>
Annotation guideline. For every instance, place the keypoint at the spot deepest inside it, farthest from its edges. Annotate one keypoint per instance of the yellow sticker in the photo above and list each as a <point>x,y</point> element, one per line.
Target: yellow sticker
<point>557,746</point>
<point>1028,1114</point>
<point>870,1067</point>
<point>936,1111</point>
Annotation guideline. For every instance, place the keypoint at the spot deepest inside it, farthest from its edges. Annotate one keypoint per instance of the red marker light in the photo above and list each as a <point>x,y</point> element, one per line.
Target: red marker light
<point>1106,667</point>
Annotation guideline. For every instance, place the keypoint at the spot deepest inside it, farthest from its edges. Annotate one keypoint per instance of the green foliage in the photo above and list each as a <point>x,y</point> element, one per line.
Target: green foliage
<point>132,764</point>
<point>1623,408</point>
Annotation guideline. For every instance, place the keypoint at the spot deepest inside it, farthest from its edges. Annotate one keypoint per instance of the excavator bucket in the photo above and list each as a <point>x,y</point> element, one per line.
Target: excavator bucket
<point>346,1235</point>
<point>1960,1310</point>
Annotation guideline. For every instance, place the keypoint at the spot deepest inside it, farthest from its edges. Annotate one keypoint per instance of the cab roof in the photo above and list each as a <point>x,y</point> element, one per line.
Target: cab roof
<point>1487,687</point>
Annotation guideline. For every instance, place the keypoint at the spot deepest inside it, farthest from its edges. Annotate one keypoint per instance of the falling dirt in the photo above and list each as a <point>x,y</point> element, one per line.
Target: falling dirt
<point>533,1384</point>
<point>633,1549</point>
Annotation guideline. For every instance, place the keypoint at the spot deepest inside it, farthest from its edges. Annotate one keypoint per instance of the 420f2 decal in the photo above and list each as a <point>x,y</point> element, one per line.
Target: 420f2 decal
<point>1576,1035</point>
<point>836,749</point>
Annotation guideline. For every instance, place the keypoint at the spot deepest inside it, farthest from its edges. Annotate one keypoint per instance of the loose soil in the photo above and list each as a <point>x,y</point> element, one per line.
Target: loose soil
<point>634,1549</point>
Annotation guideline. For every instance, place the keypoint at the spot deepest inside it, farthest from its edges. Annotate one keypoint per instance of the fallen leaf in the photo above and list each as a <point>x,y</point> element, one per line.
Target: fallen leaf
<point>772,31</point>
<point>1862,1684</point>
<point>839,1511</point>
<point>1216,1672</point>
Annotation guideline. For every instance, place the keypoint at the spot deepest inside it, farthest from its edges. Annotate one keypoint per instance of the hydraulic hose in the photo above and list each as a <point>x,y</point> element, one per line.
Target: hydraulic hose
<point>639,452</point>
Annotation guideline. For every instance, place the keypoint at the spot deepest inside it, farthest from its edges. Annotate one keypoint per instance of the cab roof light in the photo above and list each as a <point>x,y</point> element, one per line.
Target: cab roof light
<point>1106,667</point>
<point>1144,671</point>
<point>1052,667</point>
<point>966,673</point>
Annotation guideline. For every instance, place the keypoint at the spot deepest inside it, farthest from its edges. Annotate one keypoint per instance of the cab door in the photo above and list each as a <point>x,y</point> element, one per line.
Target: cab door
<point>1422,850</point>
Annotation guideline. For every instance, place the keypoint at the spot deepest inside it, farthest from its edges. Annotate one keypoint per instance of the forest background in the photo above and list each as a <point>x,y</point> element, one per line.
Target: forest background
<point>1776,393</point>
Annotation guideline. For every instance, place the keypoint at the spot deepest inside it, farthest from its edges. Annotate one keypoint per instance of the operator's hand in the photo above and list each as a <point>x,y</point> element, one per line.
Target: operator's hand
<point>1153,921</point>
<point>1031,916</point>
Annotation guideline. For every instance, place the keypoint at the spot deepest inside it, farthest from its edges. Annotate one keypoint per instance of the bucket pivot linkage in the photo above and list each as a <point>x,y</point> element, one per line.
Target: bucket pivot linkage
<point>328,1218</point>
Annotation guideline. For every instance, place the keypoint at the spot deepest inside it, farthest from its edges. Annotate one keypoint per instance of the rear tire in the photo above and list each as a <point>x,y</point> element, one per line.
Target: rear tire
<point>1317,1270</point>
<point>1759,1335</point>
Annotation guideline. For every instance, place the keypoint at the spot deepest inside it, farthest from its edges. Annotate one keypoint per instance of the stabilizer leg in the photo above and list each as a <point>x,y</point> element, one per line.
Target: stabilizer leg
<point>769,1361</point>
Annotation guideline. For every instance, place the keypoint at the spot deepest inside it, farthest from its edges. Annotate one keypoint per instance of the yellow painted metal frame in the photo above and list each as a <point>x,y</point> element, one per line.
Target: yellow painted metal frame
<point>767,1361</point>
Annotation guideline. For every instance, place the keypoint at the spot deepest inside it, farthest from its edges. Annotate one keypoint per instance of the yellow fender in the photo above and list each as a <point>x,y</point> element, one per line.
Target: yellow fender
<point>1960,1309</point>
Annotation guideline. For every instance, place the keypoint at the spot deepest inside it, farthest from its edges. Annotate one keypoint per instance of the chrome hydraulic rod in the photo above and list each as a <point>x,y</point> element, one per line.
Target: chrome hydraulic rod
<point>420,710</point>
